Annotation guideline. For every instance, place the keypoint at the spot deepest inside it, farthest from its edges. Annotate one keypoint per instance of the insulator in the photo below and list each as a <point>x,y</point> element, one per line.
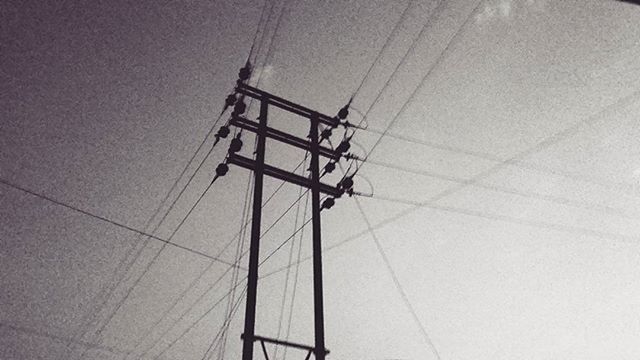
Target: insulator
<point>343,113</point>
<point>235,146</point>
<point>347,183</point>
<point>326,133</point>
<point>244,73</point>
<point>343,147</point>
<point>239,107</point>
<point>222,169</point>
<point>230,100</point>
<point>328,203</point>
<point>330,167</point>
<point>223,132</point>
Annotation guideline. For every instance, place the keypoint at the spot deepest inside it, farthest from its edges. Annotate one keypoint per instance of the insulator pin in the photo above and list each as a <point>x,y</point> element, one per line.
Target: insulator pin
<point>223,132</point>
<point>343,113</point>
<point>222,169</point>
<point>328,203</point>
<point>343,147</point>
<point>245,73</point>
<point>235,146</point>
<point>239,108</point>
<point>329,167</point>
<point>346,183</point>
<point>230,100</point>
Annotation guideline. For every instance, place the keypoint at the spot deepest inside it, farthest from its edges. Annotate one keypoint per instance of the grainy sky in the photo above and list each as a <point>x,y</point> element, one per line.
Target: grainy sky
<point>512,124</point>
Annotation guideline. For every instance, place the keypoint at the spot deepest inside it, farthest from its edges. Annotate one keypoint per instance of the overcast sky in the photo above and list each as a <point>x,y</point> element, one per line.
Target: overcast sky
<point>506,189</point>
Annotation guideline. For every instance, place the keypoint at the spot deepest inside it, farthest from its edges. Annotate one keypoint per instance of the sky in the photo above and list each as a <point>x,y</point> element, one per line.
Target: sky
<point>500,197</point>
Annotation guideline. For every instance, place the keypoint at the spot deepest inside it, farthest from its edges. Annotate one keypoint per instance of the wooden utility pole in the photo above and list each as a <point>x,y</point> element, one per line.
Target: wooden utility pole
<point>313,183</point>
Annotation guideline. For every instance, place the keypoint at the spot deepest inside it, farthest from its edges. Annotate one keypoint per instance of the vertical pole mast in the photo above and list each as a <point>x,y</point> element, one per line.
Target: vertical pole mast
<point>317,245</point>
<point>254,251</point>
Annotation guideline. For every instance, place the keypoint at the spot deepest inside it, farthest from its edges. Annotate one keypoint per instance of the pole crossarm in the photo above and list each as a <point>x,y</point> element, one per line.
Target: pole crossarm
<point>287,105</point>
<point>283,175</point>
<point>282,136</point>
<point>264,339</point>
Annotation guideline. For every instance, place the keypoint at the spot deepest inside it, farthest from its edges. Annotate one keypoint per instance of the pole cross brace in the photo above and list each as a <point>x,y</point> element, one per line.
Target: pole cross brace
<point>278,135</point>
<point>286,105</point>
<point>283,175</point>
<point>263,340</point>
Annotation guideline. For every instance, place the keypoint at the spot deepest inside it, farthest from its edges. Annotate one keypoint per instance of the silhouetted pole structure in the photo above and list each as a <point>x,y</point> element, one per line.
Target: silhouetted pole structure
<point>318,305</point>
<point>254,251</point>
<point>260,169</point>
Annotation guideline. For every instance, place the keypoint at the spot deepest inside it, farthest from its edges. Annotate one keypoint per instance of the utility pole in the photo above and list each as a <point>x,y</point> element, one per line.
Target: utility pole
<point>260,169</point>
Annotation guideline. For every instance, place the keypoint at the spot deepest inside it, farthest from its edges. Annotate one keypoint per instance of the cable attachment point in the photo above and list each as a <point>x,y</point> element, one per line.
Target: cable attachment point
<point>346,184</point>
<point>240,107</point>
<point>351,156</point>
<point>328,169</point>
<point>325,134</point>
<point>344,112</point>
<point>343,147</point>
<point>223,132</point>
<point>221,170</point>
<point>236,144</point>
<point>229,101</point>
<point>328,203</point>
<point>245,73</point>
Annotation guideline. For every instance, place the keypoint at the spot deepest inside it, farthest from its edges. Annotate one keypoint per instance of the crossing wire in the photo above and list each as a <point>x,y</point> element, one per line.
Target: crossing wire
<point>202,273</point>
<point>286,280</point>
<point>107,290</point>
<point>202,295</point>
<point>426,26</point>
<point>183,172</point>
<point>610,185</point>
<point>171,207</point>
<point>112,222</point>
<point>225,326</point>
<point>146,270</point>
<point>391,35</point>
<point>510,191</point>
<point>218,302</point>
<point>295,276</point>
<point>228,269</point>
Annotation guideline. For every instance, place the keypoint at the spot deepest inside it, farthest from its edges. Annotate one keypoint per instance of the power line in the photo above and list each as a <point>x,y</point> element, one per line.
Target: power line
<point>547,142</point>
<point>520,221</point>
<point>114,285</point>
<point>404,58</point>
<point>391,35</point>
<point>424,78</point>
<point>237,262</point>
<point>615,186</point>
<point>218,302</point>
<point>146,269</point>
<point>397,283</point>
<point>201,274</point>
<point>511,191</point>
<point>239,249</point>
<point>295,277</point>
<point>286,280</point>
<point>112,222</point>
<point>58,338</point>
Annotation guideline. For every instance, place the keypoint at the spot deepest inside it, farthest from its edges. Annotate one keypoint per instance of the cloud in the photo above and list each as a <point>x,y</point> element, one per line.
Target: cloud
<point>266,75</point>
<point>504,9</point>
